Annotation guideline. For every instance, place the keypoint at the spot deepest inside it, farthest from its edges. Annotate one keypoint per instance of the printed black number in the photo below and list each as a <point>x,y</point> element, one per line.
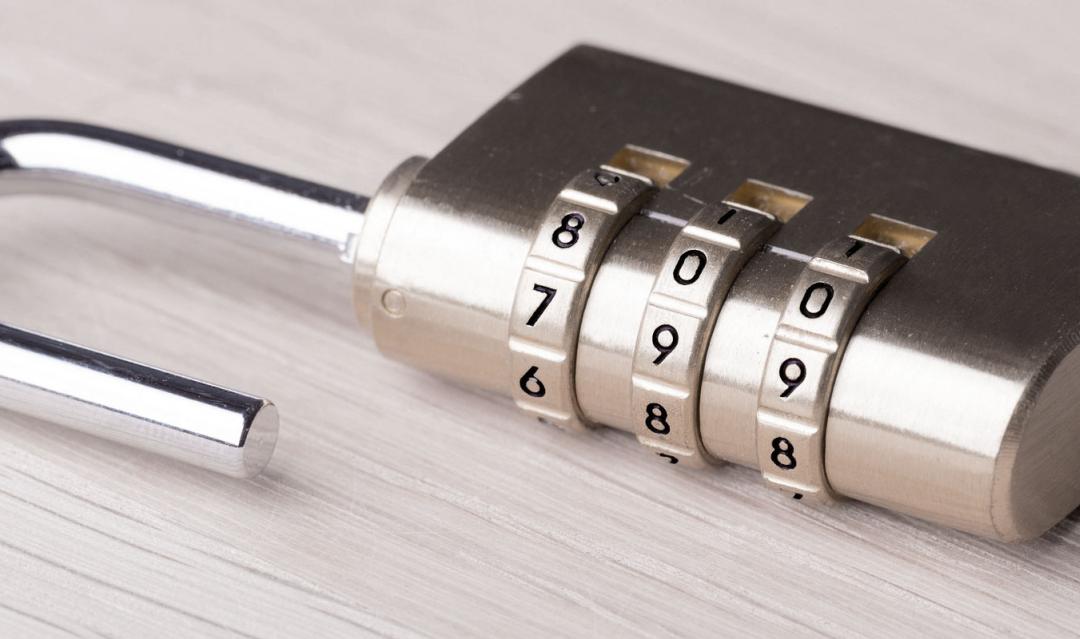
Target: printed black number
<point>571,224</point>
<point>855,246</point>
<point>671,459</point>
<point>792,382</point>
<point>698,266</point>
<point>549,294</point>
<point>656,419</point>
<point>537,389</point>
<point>783,453</point>
<point>822,306</point>
<point>726,216</point>
<point>673,341</point>
<point>605,179</point>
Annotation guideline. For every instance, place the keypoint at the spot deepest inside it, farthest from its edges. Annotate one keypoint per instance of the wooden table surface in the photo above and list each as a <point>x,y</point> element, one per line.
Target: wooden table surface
<point>398,504</point>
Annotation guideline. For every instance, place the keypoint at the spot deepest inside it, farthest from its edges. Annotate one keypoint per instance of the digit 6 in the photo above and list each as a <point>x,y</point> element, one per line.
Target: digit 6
<point>536,387</point>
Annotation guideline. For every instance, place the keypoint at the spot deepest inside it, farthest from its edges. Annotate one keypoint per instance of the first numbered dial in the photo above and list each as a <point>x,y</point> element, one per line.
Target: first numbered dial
<point>554,285</point>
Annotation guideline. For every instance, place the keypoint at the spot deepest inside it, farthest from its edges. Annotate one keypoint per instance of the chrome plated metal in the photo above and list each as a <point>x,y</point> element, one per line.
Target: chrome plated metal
<point>90,162</point>
<point>147,408</point>
<point>143,407</point>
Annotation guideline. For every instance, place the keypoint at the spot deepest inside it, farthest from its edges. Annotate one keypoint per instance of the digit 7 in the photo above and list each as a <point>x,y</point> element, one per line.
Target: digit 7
<point>549,294</point>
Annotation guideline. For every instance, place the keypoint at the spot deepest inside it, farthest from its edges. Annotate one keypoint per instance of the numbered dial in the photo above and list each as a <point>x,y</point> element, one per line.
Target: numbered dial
<point>570,244</point>
<point>700,267</point>
<point>805,353</point>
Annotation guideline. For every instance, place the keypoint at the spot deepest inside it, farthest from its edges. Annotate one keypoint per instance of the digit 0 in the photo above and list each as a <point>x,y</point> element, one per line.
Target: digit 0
<point>698,265</point>
<point>808,299</point>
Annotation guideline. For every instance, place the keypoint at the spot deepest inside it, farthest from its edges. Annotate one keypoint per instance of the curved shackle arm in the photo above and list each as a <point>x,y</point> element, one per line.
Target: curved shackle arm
<point>147,408</point>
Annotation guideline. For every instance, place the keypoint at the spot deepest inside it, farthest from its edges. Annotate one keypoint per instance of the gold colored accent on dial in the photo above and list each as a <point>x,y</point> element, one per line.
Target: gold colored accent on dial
<point>908,238</point>
<point>768,199</point>
<point>659,167</point>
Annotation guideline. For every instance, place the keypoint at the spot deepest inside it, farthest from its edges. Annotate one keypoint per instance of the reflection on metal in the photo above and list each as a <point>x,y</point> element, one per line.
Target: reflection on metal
<point>147,408</point>
<point>936,379</point>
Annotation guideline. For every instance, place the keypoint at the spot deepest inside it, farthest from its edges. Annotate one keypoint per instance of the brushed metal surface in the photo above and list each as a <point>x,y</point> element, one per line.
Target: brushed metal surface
<point>970,324</point>
<point>570,244</point>
<point>702,263</point>
<point>793,407</point>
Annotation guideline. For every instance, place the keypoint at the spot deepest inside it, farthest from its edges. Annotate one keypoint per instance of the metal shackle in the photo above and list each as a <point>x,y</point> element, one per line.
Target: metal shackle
<point>140,406</point>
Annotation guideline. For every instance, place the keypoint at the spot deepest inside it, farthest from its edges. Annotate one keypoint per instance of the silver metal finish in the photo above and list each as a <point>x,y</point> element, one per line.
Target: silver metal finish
<point>612,320</point>
<point>744,330</point>
<point>369,244</point>
<point>114,167</point>
<point>951,401</point>
<point>150,409</point>
<point>805,354</point>
<point>700,267</point>
<point>570,244</point>
<point>146,408</point>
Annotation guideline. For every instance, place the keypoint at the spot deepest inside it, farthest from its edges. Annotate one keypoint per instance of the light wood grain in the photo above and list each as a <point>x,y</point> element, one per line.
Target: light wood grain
<point>400,505</point>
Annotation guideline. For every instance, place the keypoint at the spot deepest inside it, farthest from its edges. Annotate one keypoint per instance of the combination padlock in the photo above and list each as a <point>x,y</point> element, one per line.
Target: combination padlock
<point>854,310</point>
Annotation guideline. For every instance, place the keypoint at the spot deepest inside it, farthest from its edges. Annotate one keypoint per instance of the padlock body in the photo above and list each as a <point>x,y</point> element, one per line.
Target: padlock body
<point>955,398</point>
